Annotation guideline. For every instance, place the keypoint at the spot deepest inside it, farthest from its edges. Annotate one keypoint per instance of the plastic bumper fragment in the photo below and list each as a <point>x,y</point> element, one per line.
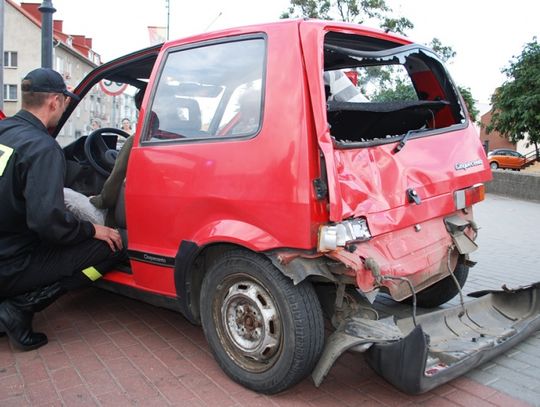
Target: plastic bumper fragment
<point>354,332</point>
<point>450,342</point>
<point>446,343</point>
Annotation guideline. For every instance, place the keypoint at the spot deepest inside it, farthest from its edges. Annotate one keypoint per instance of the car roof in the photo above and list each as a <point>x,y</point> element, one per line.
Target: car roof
<point>500,150</point>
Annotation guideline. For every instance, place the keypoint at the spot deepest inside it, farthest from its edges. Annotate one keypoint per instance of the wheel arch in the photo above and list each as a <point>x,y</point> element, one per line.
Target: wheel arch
<point>192,262</point>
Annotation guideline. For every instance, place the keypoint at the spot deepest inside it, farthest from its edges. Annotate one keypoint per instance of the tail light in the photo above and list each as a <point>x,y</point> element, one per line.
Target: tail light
<point>339,235</point>
<point>469,196</point>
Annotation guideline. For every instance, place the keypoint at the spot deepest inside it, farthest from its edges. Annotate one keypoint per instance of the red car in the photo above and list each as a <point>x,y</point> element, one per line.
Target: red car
<point>266,190</point>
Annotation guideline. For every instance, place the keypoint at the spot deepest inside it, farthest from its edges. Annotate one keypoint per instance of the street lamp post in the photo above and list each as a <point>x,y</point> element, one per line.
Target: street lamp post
<point>47,11</point>
<point>1,54</point>
<point>168,5</point>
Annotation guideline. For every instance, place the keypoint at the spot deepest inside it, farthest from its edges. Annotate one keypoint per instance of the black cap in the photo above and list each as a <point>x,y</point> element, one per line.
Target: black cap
<point>49,81</point>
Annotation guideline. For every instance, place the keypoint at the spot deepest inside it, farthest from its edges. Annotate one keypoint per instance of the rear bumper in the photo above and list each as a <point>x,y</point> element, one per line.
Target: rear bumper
<point>445,344</point>
<point>421,253</point>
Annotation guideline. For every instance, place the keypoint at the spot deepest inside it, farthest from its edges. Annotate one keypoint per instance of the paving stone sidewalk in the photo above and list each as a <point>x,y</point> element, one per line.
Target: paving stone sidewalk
<point>509,253</point>
<point>107,350</point>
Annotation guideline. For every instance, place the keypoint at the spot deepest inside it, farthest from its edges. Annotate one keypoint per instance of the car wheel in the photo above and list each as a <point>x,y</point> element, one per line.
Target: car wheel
<point>442,291</point>
<point>265,332</point>
<point>494,165</point>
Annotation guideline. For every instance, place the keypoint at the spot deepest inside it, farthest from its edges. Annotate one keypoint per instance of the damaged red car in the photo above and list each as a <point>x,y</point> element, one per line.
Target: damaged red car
<point>278,179</point>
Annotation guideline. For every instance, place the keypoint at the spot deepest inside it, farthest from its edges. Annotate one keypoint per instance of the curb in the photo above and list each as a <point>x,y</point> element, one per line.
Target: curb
<point>515,185</point>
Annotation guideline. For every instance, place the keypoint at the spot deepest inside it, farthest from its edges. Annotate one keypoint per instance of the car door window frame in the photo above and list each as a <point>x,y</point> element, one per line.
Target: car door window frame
<point>145,134</point>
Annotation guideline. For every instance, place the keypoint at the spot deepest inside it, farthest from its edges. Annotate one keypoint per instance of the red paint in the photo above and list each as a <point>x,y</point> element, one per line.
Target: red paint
<point>259,193</point>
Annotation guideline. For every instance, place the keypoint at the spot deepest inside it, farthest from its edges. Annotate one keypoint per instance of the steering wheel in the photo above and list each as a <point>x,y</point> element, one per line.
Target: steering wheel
<point>100,156</point>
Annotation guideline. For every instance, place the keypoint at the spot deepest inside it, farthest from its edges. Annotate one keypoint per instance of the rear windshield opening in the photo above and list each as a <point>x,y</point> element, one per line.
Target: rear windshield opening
<point>378,91</point>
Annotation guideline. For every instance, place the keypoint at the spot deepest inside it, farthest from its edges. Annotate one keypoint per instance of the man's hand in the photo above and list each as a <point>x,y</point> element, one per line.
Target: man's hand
<point>108,235</point>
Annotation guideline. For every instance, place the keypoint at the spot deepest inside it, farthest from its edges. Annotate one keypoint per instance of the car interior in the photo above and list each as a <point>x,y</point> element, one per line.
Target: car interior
<point>90,158</point>
<point>405,90</point>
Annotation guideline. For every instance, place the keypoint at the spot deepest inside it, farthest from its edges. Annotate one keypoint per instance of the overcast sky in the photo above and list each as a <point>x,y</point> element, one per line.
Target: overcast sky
<point>485,34</point>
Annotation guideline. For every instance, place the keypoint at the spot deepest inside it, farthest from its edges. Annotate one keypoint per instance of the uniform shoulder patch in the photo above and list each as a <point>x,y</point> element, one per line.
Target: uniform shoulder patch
<point>5,155</point>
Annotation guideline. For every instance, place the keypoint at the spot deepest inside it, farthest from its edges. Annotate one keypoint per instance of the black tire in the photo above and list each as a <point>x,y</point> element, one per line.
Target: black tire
<point>494,165</point>
<point>442,291</point>
<point>266,351</point>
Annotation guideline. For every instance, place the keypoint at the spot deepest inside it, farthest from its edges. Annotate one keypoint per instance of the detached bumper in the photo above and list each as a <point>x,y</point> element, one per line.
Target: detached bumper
<point>445,344</point>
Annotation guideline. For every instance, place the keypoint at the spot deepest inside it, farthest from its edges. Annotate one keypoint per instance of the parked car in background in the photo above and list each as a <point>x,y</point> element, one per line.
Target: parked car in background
<point>505,158</point>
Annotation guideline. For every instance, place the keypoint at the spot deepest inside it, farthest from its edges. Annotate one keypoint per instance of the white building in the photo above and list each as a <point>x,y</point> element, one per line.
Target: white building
<point>73,57</point>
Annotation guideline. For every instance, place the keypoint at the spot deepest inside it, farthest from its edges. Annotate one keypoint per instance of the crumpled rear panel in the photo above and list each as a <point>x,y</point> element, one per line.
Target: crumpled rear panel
<point>372,180</point>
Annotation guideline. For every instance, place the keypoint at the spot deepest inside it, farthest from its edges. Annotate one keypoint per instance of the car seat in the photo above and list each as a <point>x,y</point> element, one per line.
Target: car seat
<point>182,118</point>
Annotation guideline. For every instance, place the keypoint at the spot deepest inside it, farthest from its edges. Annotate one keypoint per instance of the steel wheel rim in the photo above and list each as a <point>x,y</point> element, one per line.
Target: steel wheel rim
<point>249,323</point>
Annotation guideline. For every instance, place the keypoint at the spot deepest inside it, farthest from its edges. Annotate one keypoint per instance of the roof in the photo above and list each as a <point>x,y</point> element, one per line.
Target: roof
<point>79,45</point>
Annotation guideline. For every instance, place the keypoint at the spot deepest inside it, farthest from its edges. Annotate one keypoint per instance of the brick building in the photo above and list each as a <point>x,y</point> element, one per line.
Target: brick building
<point>494,139</point>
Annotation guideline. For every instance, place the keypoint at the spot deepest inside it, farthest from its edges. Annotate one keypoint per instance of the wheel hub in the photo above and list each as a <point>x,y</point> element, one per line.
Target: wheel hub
<point>250,319</point>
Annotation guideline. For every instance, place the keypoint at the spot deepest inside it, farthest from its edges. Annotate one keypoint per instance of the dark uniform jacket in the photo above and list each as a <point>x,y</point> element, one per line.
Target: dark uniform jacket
<point>32,209</point>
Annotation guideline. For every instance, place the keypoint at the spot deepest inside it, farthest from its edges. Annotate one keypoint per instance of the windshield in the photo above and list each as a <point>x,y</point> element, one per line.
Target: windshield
<point>107,104</point>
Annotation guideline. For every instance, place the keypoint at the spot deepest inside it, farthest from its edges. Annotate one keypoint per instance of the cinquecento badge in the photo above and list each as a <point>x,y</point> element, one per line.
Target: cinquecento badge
<point>467,164</point>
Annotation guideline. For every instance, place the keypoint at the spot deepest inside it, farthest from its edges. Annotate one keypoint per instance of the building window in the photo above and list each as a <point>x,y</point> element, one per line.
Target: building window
<point>59,64</point>
<point>10,92</point>
<point>67,70</point>
<point>10,59</point>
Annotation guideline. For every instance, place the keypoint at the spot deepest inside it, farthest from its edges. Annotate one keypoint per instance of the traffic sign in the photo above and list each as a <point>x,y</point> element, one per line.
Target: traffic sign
<point>112,88</point>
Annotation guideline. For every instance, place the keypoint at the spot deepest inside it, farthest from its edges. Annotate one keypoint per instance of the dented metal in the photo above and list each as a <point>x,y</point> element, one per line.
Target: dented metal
<point>456,227</point>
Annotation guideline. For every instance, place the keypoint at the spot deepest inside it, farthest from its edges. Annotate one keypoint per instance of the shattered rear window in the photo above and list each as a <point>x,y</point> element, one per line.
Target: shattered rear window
<point>378,91</point>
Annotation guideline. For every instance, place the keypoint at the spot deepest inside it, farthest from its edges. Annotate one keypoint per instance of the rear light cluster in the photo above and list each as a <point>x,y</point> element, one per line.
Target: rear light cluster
<point>469,196</point>
<point>339,235</point>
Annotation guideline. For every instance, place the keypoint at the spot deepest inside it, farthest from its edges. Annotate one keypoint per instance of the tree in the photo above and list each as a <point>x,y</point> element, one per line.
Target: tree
<point>445,52</point>
<point>469,102</point>
<point>516,104</point>
<point>352,11</point>
<point>357,11</point>
<point>308,8</point>
<point>400,90</point>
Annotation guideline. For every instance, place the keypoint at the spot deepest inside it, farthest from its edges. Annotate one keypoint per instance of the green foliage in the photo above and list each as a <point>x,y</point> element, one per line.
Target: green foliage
<point>358,11</point>
<point>398,25</point>
<point>469,102</point>
<point>445,52</point>
<point>380,76</point>
<point>516,104</point>
<point>308,8</point>
<point>353,11</point>
<point>400,91</point>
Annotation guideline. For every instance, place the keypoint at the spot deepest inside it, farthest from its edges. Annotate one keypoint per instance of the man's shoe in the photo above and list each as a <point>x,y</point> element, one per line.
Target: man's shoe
<point>17,324</point>
<point>2,334</point>
<point>16,316</point>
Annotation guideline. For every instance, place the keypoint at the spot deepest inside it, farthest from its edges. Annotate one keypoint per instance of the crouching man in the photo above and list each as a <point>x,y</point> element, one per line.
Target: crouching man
<point>44,249</point>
